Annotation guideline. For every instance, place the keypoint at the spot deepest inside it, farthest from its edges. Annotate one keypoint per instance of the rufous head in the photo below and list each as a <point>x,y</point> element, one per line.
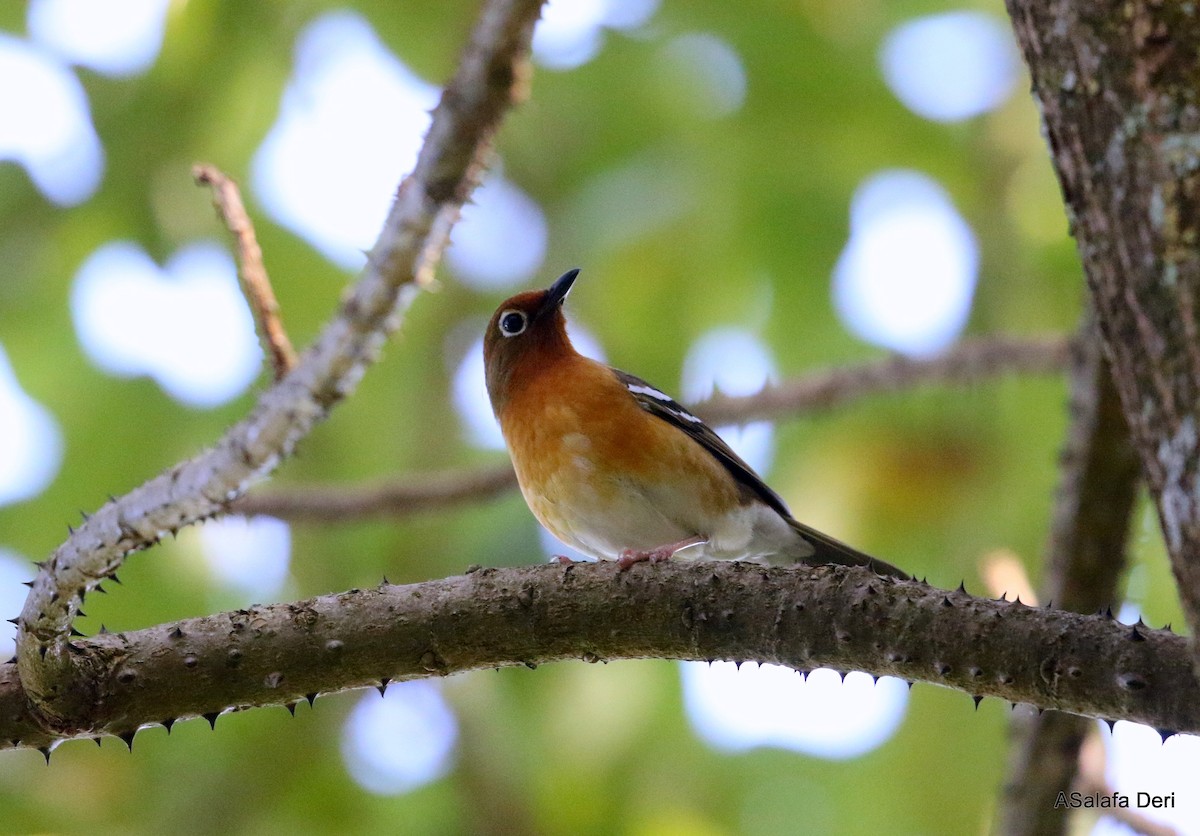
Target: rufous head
<point>526,330</point>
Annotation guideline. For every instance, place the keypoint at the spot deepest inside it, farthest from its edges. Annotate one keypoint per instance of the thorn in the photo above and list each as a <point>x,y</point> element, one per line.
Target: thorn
<point>211,717</point>
<point>75,632</point>
<point>103,630</point>
<point>1111,723</point>
<point>27,583</point>
<point>1140,623</point>
<point>16,621</point>
<point>386,582</point>
<point>70,530</point>
<point>97,741</point>
<point>100,589</point>
<point>382,686</point>
<point>113,577</point>
<point>41,564</point>
<point>946,602</point>
<point>45,750</point>
<point>1134,635</point>
<point>978,699</point>
<point>1050,604</point>
<point>962,587</point>
<point>312,698</point>
<point>128,738</point>
<point>11,661</point>
<point>1108,613</point>
<point>1164,734</point>
<point>1167,626</point>
<point>176,632</point>
<point>86,516</point>
<point>166,724</point>
<point>291,707</point>
<point>1017,601</point>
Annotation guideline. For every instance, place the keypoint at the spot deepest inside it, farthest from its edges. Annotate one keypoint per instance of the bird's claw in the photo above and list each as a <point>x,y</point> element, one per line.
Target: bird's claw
<point>629,557</point>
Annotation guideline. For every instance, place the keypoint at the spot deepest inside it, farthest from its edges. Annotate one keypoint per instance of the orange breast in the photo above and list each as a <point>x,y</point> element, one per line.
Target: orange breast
<point>601,473</point>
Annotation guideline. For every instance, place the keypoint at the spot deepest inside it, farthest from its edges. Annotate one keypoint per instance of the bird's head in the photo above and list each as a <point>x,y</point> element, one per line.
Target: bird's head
<point>527,331</point>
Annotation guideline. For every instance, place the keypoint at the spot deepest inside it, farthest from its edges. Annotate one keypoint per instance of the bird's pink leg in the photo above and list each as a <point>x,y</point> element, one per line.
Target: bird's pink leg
<point>629,557</point>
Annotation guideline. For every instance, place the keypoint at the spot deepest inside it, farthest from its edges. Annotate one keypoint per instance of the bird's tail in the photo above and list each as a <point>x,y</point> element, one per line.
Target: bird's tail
<point>826,549</point>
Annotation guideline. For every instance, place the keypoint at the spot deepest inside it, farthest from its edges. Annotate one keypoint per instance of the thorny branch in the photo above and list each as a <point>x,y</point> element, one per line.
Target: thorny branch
<point>253,273</point>
<point>968,362</point>
<point>803,617</point>
<point>56,677</point>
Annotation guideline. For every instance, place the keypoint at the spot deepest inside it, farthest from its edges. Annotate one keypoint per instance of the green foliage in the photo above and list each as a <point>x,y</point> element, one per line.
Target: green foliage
<point>756,215</point>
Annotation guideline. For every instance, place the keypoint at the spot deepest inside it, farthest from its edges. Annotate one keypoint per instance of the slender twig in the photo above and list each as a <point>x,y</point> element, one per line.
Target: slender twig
<point>256,285</point>
<point>800,616</point>
<point>489,77</point>
<point>1086,557</point>
<point>393,498</point>
<point>968,362</point>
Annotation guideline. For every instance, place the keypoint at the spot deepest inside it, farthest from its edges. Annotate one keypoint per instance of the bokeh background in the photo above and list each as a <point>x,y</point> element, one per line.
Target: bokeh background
<point>753,190</point>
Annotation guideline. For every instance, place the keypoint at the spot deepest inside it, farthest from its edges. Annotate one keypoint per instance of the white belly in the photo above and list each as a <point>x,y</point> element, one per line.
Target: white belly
<point>603,518</point>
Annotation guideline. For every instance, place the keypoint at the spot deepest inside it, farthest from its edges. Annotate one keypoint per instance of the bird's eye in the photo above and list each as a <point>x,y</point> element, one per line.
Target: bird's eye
<point>513,323</point>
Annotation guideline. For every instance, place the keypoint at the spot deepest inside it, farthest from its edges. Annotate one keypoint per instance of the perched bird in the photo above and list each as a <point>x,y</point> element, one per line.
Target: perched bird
<point>617,469</point>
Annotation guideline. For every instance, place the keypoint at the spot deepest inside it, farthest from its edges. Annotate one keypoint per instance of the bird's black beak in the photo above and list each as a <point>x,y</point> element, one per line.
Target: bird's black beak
<point>557,292</point>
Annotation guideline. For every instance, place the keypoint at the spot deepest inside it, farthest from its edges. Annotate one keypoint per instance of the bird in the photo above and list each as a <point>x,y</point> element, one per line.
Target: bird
<point>617,469</point>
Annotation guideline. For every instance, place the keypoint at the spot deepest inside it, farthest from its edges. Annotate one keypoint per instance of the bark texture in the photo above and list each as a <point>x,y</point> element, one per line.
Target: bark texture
<point>1119,89</point>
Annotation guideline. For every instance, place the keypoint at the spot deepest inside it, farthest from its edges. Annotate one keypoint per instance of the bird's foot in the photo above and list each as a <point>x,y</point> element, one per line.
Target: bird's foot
<point>629,557</point>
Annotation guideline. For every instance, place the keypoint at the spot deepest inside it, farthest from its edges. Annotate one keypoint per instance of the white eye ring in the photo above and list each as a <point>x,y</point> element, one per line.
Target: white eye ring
<point>512,322</point>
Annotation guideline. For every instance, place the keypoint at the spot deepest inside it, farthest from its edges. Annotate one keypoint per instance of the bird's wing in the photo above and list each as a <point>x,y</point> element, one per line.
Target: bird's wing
<point>822,547</point>
<point>662,406</point>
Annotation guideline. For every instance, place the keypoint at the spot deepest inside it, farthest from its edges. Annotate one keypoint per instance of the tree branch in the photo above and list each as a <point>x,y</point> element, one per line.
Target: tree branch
<point>1116,85</point>
<point>1086,557</point>
<point>56,678</point>
<point>968,362</point>
<point>253,273</point>
<point>800,616</point>
<point>398,497</point>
